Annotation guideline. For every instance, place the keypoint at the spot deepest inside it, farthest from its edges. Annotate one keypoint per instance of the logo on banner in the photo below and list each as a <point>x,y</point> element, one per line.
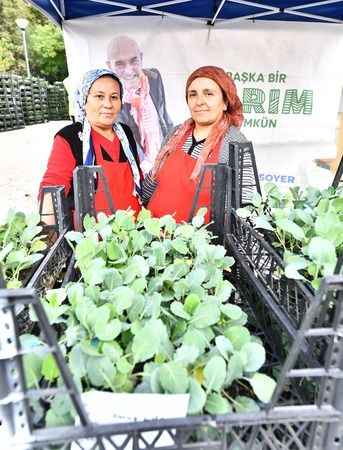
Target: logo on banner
<point>271,102</point>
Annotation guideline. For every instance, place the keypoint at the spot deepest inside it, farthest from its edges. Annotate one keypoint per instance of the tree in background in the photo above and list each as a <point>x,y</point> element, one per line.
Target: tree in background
<point>45,42</point>
<point>47,50</point>
<point>12,57</point>
<point>7,60</point>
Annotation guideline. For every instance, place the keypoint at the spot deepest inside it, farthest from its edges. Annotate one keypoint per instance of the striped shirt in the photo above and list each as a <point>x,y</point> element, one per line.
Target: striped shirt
<point>193,148</point>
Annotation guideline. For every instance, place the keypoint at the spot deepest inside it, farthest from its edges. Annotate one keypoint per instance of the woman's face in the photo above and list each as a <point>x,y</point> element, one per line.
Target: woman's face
<point>205,101</point>
<point>103,102</point>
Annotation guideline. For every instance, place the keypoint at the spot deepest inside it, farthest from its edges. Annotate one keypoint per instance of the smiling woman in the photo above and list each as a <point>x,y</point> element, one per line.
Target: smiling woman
<point>206,103</point>
<point>103,105</point>
<point>216,116</point>
<point>97,139</point>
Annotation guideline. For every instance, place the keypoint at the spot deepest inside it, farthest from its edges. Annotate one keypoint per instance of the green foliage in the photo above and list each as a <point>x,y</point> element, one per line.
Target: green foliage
<point>20,245</point>
<point>145,316</point>
<point>12,57</point>
<point>7,59</point>
<point>307,226</point>
<point>44,41</point>
<point>33,361</point>
<point>48,58</point>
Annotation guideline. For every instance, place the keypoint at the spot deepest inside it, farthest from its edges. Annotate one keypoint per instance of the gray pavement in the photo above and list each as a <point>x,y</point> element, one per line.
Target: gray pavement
<point>24,154</point>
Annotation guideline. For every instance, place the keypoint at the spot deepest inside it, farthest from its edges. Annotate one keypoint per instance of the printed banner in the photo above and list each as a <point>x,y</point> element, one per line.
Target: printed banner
<point>289,78</point>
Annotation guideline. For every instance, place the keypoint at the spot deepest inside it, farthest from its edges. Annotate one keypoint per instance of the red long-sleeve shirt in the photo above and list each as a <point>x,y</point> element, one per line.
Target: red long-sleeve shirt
<point>61,163</point>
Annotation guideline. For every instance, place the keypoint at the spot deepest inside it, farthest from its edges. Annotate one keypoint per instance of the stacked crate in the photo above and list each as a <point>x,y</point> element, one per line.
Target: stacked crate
<point>27,101</point>
<point>34,95</point>
<point>43,93</point>
<point>11,115</point>
<point>57,102</point>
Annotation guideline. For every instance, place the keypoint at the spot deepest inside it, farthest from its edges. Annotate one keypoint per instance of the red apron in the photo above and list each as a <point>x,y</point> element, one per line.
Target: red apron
<point>175,190</point>
<point>119,177</point>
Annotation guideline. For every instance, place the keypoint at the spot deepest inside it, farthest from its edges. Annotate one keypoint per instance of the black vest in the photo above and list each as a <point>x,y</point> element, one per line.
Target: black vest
<point>73,133</point>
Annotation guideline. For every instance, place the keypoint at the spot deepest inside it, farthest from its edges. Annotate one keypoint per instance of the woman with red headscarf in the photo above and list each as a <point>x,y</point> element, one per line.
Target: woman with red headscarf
<point>216,116</point>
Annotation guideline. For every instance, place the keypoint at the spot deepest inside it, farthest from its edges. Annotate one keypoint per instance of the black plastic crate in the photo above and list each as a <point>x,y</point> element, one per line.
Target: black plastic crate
<point>57,102</point>
<point>245,180</point>
<point>45,275</point>
<point>10,105</point>
<point>34,100</point>
<point>338,179</point>
<point>280,303</point>
<point>289,422</point>
<point>293,296</point>
<point>52,266</point>
<point>88,180</point>
<point>50,272</point>
<point>232,186</point>
<point>57,252</point>
<point>27,99</point>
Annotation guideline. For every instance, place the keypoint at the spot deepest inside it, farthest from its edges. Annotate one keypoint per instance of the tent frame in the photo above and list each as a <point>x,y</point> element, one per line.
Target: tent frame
<point>300,11</point>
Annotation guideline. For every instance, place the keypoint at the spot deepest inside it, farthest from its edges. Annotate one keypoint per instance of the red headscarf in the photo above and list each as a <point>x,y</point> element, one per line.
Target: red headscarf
<point>232,116</point>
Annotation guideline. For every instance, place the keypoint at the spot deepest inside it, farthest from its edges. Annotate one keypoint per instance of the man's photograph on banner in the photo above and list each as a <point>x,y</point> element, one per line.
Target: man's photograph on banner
<point>144,106</point>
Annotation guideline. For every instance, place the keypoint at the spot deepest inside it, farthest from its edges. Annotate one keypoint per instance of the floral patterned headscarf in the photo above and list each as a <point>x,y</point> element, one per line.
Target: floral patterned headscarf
<point>80,114</point>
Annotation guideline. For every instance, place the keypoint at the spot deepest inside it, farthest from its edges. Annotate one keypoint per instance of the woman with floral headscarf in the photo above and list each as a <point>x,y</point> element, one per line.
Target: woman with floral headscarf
<point>216,116</point>
<point>97,139</point>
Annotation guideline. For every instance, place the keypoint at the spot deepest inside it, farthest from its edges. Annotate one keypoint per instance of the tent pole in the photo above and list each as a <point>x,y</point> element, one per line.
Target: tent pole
<point>218,11</point>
